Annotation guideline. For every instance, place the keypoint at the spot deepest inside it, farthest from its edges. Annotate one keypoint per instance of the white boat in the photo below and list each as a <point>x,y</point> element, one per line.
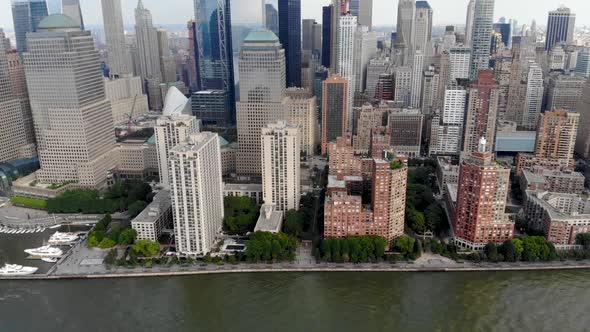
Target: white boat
<point>55,226</point>
<point>49,260</point>
<point>16,270</point>
<point>20,231</point>
<point>10,231</point>
<point>45,251</point>
<point>62,239</point>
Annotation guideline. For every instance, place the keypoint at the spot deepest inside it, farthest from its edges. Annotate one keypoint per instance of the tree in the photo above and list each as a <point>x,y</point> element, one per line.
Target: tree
<point>508,250</point>
<point>416,221</point>
<point>583,239</point>
<point>491,251</point>
<point>293,223</point>
<point>127,236</point>
<point>405,244</point>
<point>136,207</point>
<point>146,248</point>
<point>107,243</point>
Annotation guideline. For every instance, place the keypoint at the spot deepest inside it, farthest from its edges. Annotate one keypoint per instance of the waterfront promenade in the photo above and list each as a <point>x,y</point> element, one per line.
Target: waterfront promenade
<point>430,263</point>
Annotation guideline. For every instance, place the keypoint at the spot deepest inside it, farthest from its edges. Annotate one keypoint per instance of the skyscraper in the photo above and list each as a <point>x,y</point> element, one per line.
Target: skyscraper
<point>469,22</point>
<point>174,127</point>
<point>406,12</point>
<point>54,6</point>
<point>119,60</point>
<point>334,109</point>
<point>482,110</point>
<point>327,13</point>
<point>423,27</point>
<point>481,41</point>
<point>73,119</point>
<point>583,63</point>
<point>197,193</point>
<point>272,18</point>
<point>16,132</point>
<point>307,34</point>
<point>26,15</point>
<point>417,70</point>
<point>290,36</point>
<point>583,139</point>
<point>560,27</point>
<point>72,9</point>
<point>280,165</point>
<point>447,126</point>
<point>215,66</point>
<point>564,91</point>
<point>347,34</point>
<point>481,200</point>
<point>167,62</point>
<point>149,56</point>
<point>262,73</point>
<point>533,101</point>
<point>363,10</point>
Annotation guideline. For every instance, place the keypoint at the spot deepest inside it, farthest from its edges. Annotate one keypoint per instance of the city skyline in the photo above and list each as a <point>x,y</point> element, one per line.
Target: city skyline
<point>384,11</point>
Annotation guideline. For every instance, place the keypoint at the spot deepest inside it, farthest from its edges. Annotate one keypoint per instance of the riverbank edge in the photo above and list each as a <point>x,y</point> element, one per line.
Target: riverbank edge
<point>300,270</point>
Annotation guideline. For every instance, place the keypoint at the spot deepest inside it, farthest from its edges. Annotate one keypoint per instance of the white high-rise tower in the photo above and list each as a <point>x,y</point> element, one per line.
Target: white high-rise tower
<point>481,41</point>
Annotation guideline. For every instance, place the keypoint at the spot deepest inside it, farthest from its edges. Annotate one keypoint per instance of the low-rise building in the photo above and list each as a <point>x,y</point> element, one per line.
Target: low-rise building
<point>228,157</point>
<point>543,179</point>
<point>154,218</point>
<point>447,172</point>
<point>560,216</point>
<point>252,190</point>
<point>138,159</point>
<point>270,219</point>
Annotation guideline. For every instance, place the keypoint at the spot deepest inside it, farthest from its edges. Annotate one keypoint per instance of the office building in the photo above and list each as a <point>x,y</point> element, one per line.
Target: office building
<point>26,15</point>
<point>405,32</point>
<point>174,127</point>
<point>560,27</point>
<point>480,216</point>
<point>335,109</point>
<point>197,194</point>
<point>459,62</point>
<point>430,84</point>
<point>215,65</point>
<point>54,7</point>
<point>564,91</point>
<point>368,117</point>
<point>347,33</point>
<point>262,72</point>
<point>290,36</point>
<point>167,61</point>
<point>583,63</point>
<point>327,36</point>
<point>482,109</point>
<point>533,101</point>
<point>148,55</point>
<point>280,165</point>
<point>447,126</point>
<point>375,68</point>
<point>402,85</point>
<point>417,71</point>
<point>423,27</point>
<point>126,97</point>
<point>365,49</point>
<point>481,41</point>
<point>363,10</point>
<point>71,8</point>
<point>73,118</point>
<point>470,18</point>
<point>272,18</point>
<point>405,130</point>
<point>212,107</point>
<point>118,60</point>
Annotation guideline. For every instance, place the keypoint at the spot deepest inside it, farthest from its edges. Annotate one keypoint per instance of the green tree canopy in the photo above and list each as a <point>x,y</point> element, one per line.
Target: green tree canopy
<point>405,244</point>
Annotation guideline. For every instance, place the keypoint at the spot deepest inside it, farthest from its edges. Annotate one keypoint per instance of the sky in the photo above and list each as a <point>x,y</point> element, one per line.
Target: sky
<point>384,11</point>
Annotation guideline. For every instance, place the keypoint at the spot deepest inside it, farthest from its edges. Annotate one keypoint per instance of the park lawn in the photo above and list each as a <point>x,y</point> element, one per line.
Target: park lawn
<point>32,203</point>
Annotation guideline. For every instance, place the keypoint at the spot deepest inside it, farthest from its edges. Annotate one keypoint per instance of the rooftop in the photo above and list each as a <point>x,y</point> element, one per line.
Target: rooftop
<point>152,212</point>
<point>58,21</point>
<point>270,220</point>
<point>261,36</point>
<point>242,187</point>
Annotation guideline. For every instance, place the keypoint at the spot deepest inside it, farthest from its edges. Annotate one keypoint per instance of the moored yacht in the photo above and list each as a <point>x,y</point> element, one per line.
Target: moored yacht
<point>45,251</point>
<point>62,239</point>
<point>16,270</point>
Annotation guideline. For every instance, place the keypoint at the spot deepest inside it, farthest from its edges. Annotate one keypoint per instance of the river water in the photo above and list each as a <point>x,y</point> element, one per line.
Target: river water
<point>494,301</point>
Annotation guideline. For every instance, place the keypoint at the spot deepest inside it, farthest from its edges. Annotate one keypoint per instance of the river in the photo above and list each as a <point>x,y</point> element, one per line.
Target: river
<point>491,301</point>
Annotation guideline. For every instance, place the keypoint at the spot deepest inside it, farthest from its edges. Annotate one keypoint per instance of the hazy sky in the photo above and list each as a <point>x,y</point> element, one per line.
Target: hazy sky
<point>384,12</point>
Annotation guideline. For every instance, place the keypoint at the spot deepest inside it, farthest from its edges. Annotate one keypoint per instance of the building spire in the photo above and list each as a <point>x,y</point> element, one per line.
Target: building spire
<point>140,4</point>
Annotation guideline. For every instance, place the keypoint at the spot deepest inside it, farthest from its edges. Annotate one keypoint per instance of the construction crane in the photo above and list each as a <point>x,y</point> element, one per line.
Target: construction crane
<point>130,122</point>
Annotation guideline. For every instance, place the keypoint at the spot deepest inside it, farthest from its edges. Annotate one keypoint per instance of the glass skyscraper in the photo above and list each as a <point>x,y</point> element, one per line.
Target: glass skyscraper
<point>290,37</point>
<point>214,51</point>
<point>26,15</point>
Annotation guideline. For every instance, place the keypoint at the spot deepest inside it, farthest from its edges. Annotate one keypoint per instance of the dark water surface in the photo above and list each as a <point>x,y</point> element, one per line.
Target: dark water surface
<point>492,301</point>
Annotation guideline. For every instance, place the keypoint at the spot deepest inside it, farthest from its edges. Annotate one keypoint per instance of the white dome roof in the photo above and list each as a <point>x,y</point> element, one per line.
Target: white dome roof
<point>176,103</point>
